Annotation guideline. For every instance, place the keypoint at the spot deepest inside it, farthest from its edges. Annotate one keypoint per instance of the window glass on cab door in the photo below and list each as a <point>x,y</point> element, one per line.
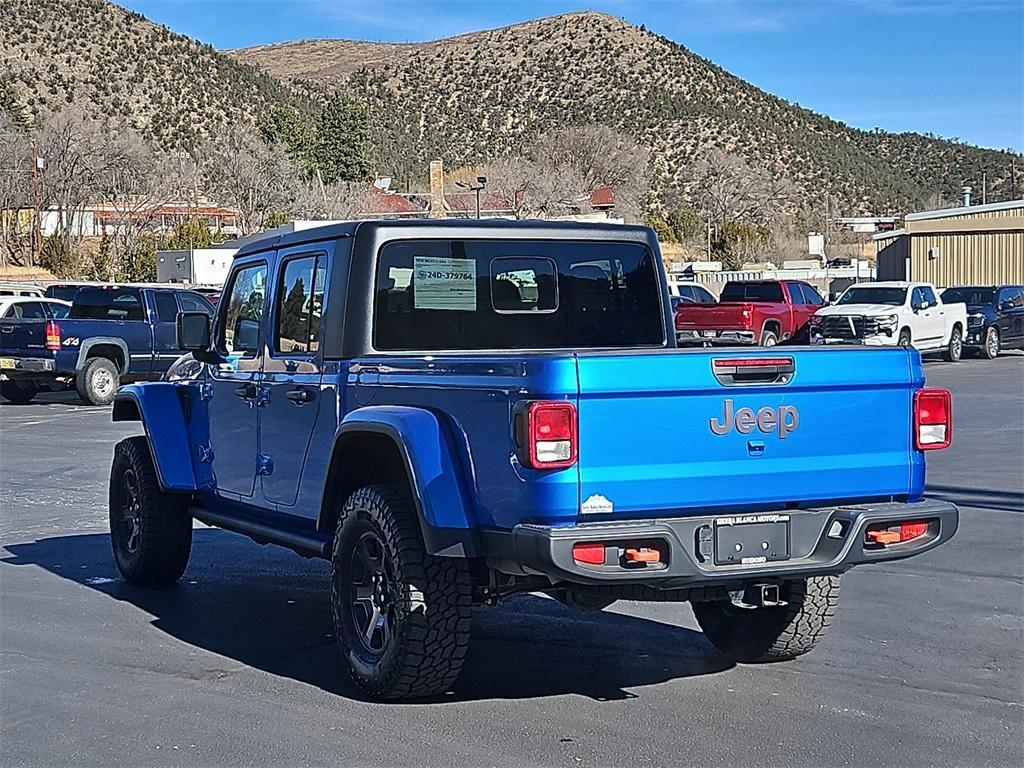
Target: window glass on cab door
<point>166,307</point>
<point>296,306</point>
<point>244,315</point>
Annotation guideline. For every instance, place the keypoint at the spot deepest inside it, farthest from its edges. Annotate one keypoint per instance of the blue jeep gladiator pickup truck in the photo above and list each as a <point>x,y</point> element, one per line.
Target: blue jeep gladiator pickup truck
<point>113,333</point>
<point>455,412</point>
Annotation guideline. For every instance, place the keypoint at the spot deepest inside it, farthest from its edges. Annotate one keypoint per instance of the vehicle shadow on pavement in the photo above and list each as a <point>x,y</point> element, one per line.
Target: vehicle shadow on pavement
<point>982,498</point>
<point>267,609</point>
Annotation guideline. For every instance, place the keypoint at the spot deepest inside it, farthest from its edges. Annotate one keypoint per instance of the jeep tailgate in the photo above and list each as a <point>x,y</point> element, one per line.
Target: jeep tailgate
<point>837,428</point>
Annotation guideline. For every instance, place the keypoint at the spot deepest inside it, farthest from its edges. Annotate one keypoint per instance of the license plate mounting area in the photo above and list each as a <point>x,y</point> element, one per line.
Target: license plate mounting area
<point>751,539</point>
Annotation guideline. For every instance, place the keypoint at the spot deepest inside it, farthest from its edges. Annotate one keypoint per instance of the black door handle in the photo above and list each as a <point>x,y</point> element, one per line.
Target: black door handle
<point>246,391</point>
<point>300,396</point>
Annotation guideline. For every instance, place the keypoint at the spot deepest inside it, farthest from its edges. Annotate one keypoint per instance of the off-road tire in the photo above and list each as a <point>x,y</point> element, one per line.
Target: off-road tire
<point>769,338</point>
<point>905,339</point>
<point>91,381</point>
<point>992,344</point>
<point>18,391</point>
<point>431,600</point>
<point>955,348</point>
<point>158,551</point>
<point>762,635</point>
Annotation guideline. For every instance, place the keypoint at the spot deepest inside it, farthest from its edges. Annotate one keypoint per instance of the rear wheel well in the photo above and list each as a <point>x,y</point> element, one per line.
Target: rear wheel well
<point>110,351</point>
<point>359,459</point>
<point>774,326</point>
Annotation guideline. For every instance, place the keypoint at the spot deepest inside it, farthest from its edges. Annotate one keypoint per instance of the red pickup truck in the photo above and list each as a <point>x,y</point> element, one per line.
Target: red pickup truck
<point>761,312</point>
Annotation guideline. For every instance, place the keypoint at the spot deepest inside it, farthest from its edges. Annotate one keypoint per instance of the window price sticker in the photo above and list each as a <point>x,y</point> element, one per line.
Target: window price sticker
<point>440,283</point>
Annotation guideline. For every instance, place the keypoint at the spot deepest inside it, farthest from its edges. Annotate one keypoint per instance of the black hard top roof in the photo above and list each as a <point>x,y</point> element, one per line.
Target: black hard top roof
<point>455,228</point>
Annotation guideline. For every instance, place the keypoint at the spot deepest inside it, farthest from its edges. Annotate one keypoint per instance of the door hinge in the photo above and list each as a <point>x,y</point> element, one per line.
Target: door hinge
<point>206,391</point>
<point>264,464</point>
<point>205,454</point>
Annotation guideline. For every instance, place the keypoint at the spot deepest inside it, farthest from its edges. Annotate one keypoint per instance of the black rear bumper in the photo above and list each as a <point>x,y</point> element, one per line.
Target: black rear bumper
<point>822,541</point>
<point>26,367</point>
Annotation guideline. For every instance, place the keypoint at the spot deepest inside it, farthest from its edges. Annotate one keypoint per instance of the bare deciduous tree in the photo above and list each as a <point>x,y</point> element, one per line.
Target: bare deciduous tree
<point>731,191</point>
<point>333,202</point>
<point>244,172</point>
<point>78,155</point>
<point>15,196</point>
<point>581,159</point>
<point>136,181</point>
<point>561,169</point>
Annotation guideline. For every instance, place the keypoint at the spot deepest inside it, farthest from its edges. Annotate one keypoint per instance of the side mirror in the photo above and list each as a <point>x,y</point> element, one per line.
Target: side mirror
<point>921,305</point>
<point>1006,306</point>
<point>192,331</point>
<point>247,335</point>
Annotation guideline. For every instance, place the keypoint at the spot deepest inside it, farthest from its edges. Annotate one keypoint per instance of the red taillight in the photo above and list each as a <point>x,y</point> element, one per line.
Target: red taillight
<point>52,336</point>
<point>913,530</point>
<point>933,419</point>
<point>589,552</point>
<point>551,435</point>
<point>896,533</point>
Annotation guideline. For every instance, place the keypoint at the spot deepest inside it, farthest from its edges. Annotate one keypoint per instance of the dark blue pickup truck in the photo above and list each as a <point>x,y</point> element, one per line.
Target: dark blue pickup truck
<point>113,333</point>
<point>453,413</point>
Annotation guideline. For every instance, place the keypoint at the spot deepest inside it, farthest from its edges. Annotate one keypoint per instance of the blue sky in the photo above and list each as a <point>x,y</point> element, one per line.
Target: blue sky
<point>950,67</point>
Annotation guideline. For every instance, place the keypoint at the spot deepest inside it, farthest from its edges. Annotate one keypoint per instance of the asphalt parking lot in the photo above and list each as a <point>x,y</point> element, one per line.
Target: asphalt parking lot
<point>236,664</point>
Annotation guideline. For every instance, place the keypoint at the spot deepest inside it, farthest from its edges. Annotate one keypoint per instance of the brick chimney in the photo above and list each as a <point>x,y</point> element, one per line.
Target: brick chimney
<point>437,189</point>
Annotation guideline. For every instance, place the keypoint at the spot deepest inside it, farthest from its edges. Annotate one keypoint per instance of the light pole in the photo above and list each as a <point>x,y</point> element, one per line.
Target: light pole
<point>481,182</point>
<point>38,164</point>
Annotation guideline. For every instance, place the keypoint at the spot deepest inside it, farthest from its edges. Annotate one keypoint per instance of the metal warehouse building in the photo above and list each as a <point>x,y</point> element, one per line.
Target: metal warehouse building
<point>975,245</point>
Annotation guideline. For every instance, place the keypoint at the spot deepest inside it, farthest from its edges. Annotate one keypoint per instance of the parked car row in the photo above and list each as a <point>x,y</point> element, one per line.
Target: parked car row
<point>982,319</point>
<point>109,334</point>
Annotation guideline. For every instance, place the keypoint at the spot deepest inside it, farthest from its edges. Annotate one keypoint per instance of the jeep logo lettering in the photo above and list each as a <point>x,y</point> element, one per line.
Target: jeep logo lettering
<point>781,420</point>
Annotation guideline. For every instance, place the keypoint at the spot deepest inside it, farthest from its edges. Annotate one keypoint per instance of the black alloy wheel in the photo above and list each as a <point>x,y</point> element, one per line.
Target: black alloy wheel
<point>374,593</point>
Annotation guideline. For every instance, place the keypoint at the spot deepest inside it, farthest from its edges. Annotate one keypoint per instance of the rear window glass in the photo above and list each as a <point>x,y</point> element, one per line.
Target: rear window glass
<point>99,303</point>
<point>975,297</point>
<point>752,292</point>
<point>482,294</point>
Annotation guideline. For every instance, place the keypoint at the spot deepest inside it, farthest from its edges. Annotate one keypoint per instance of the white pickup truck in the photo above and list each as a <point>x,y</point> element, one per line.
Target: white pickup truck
<point>891,313</point>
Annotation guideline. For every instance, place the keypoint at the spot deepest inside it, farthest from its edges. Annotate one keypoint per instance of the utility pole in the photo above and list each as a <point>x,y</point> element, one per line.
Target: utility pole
<point>824,238</point>
<point>37,224</point>
<point>1013,178</point>
<point>984,188</point>
<point>709,236</point>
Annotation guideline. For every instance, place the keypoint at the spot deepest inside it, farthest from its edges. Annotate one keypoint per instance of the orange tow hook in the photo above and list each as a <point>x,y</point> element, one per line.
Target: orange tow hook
<point>643,555</point>
<point>884,537</point>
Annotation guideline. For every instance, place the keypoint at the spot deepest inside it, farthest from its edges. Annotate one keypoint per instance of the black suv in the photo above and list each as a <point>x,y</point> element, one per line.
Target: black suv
<point>995,316</point>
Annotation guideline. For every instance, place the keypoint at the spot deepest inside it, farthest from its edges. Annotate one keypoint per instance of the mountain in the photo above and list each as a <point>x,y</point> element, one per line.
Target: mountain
<point>472,97</point>
<point>114,63</point>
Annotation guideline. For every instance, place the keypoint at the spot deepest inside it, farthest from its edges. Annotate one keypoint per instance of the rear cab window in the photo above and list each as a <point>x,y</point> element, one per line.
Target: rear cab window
<point>752,292</point>
<point>106,303</point>
<point>488,294</point>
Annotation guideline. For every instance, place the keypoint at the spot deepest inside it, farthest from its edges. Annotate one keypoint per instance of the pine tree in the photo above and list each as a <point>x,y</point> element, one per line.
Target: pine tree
<point>342,132</point>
